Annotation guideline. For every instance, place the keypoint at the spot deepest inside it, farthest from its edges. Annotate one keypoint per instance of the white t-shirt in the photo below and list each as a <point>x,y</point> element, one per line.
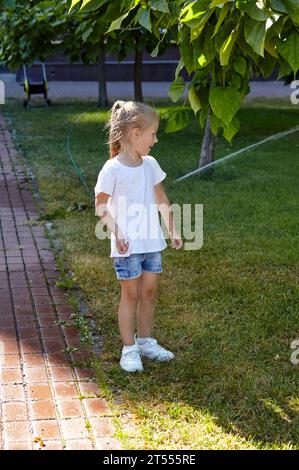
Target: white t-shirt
<point>132,203</point>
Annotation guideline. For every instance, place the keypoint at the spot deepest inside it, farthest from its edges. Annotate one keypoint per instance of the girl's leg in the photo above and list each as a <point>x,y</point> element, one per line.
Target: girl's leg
<point>147,300</point>
<point>130,291</point>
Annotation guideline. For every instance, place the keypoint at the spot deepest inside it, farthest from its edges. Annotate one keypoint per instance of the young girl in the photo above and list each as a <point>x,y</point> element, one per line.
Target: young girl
<point>130,183</point>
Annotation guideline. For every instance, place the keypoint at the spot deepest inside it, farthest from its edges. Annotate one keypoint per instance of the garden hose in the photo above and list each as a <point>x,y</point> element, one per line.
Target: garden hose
<point>77,168</point>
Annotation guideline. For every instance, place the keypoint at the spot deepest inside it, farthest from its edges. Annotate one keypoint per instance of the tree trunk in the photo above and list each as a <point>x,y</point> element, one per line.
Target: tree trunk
<point>138,72</point>
<point>207,152</point>
<point>103,98</point>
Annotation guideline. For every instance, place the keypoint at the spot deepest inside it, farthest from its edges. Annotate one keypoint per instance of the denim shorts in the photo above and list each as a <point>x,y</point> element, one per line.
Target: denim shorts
<point>131,267</point>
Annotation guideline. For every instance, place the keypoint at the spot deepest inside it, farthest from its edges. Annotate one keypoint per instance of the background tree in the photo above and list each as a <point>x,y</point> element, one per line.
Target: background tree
<point>86,41</point>
<point>230,41</point>
<point>133,32</point>
<point>29,31</point>
<point>36,29</point>
<point>133,41</point>
<point>222,44</point>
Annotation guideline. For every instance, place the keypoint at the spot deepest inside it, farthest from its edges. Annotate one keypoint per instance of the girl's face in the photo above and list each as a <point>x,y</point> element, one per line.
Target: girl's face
<point>145,139</point>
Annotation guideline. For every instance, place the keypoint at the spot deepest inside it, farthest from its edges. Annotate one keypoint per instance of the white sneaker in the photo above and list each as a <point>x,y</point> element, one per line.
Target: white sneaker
<point>130,359</point>
<point>152,350</point>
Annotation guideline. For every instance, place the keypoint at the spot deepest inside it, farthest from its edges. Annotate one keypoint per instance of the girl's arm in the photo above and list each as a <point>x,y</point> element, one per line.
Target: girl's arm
<point>166,212</point>
<point>105,216</point>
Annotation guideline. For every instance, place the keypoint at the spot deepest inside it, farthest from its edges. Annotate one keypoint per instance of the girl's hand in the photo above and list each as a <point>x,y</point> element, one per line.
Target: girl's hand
<point>176,241</point>
<point>121,245</point>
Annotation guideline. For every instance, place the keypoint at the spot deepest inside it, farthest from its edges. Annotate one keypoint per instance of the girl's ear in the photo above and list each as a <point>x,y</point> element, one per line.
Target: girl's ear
<point>135,132</point>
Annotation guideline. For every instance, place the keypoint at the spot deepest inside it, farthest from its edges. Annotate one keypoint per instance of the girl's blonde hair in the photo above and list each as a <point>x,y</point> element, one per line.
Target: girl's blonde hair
<point>124,116</point>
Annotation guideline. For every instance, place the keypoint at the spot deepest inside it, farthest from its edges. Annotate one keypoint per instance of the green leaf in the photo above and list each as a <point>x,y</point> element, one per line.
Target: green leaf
<point>225,102</point>
<point>284,69</point>
<point>144,18</point>
<point>186,50</point>
<point>290,7</point>
<point>179,68</point>
<point>236,81</point>
<point>176,89</point>
<point>117,23</point>
<point>220,3</point>
<point>270,47</point>
<point>195,13</point>
<point>45,4</point>
<point>215,123</point>
<point>196,32</point>
<point>252,10</point>
<point>255,33</point>
<point>288,48</point>
<point>209,49</point>
<point>278,5</point>
<point>245,88</point>
<point>245,48</point>
<point>230,130</point>
<point>155,51</point>
<point>204,49</point>
<point>87,33</point>
<point>74,4</point>
<point>227,47</point>
<point>91,5</point>
<point>194,100</point>
<point>268,64</point>
<point>177,120</point>
<point>223,33</point>
<point>274,32</point>
<point>221,18</point>
<point>160,5</point>
<point>240,65</point>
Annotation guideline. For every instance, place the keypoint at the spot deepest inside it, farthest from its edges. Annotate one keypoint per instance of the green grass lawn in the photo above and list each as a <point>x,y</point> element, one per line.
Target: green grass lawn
<point>229,311</point>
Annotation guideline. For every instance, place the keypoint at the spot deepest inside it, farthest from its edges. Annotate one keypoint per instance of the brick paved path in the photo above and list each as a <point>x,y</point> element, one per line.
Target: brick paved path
<point>43,398</point>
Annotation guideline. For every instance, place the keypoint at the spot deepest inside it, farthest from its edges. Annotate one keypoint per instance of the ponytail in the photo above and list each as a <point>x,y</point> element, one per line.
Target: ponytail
<point>114,140</point>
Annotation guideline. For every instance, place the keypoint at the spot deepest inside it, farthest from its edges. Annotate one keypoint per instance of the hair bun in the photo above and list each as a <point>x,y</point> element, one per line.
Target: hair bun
<point>117,105</point>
